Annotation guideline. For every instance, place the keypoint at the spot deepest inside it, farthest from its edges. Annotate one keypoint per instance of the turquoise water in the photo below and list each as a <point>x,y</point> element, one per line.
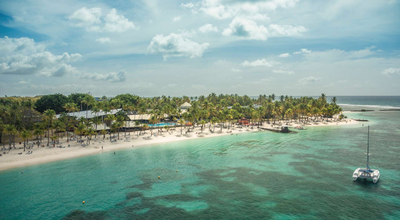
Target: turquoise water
<point>260,175</point>
<point>161,124</point>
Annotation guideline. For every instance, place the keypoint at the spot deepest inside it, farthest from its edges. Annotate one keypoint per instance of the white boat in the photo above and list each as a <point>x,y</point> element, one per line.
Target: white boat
<point>367,173</point>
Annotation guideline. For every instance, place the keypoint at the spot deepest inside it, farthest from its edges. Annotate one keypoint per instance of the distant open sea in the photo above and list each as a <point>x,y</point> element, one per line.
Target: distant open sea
<point>255,175</point>
<point>359,102</point>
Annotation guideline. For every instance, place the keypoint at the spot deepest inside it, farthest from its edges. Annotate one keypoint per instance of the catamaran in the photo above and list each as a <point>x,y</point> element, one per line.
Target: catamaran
<point>367,173</point>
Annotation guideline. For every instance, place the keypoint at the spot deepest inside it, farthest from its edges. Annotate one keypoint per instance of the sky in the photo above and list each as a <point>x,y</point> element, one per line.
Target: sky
<point>196,47</point>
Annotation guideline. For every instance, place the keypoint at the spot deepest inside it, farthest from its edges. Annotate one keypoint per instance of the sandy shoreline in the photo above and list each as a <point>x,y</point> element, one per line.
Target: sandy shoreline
<point>46,154</point>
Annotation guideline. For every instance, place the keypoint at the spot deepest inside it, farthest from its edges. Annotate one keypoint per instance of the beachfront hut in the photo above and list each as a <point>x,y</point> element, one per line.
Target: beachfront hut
<point>244,121</point>
<point>185,105</point>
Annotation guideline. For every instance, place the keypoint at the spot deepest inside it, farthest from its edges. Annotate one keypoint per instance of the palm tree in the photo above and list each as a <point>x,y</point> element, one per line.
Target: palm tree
<point>38,133</point>
<point>121,124</point>
<point>289,114</point>
<point>25,135</point>
<point>80,130</point>
<point>202,122</point>
<point>137,124</point>
<point>181,122</point>
<point>153,120</point>
<point>70,107</point>
<point>11,131</point>
<point>229,117</point>
<point>54,138</point>
<point>71,125</point>
<point>89,132</point>
<point>214,120</point>
<point>96,121</point>
<point>114,127</point>
<point>50,115</point>
<point>59,126</point>
<point>145,127</point>
<point>88,100</point>
<point>109,120</point>
<point>103,132</point>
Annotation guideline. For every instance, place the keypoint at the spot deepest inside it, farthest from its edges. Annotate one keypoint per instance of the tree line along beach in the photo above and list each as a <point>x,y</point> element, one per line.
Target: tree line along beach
<point>54,127</point>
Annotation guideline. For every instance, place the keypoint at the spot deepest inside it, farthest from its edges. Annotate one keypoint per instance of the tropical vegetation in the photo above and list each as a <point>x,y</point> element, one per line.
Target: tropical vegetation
<point>30,118</point>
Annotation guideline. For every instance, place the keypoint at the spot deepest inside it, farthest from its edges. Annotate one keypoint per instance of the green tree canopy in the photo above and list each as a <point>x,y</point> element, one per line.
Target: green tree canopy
<point>77,98</point>
<point>128,98</point>
<point>55,102</point>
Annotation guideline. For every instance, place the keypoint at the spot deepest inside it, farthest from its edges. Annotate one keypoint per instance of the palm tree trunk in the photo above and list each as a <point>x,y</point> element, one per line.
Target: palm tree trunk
<point>48,136</point>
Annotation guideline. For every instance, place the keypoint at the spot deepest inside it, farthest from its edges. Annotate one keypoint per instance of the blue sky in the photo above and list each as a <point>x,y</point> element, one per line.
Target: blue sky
<point>154,47</point>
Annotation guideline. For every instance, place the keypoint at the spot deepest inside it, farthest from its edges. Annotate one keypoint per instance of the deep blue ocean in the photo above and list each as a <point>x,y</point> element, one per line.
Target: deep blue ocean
<point>255,175</point>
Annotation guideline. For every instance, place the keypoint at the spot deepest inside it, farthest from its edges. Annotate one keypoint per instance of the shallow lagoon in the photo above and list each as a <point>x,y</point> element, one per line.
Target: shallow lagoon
<point>306,175</point>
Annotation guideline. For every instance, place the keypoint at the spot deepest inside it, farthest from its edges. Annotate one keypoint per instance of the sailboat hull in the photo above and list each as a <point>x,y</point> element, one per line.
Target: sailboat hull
<point>366,174</point>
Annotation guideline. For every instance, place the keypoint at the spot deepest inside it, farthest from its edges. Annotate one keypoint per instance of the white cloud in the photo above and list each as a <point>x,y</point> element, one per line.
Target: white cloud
<point>117,23</point>
<point>256,63</point>
<point>103,40</point>
<point>302,51</point>
<point>236,70</point>
<point>176,45</point>
<point>284,55</point>
<point>208,28</point>
<point>391,71</point>
<point>283,71</point>
<point>277,30</point>
<point>336,54</point>
<point>307,80</point>
<point>259,17</point>
<point>177,18</point>
<point>24,82</point>
<point>22,56</point>
<point>191,6</point>
<point>92,20</point>
<point>87,17</point>
<point>222,9</point>
<point>246,28</point>
<point>112,77</point>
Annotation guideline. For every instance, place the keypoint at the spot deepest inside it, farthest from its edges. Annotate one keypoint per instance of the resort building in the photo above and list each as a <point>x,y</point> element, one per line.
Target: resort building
<point>185,106</point>
<point>89,114</point>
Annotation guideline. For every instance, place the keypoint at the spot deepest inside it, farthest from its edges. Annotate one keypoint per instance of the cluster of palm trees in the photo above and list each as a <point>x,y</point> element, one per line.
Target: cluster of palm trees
<point>228,108</point>
<point>18,117</point>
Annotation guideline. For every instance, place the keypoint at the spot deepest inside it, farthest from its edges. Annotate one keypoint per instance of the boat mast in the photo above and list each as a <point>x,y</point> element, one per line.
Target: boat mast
<point>368,150</point>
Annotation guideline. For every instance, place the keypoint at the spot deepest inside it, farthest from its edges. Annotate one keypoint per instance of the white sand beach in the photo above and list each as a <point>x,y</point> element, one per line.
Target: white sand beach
<point>50,154</point>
